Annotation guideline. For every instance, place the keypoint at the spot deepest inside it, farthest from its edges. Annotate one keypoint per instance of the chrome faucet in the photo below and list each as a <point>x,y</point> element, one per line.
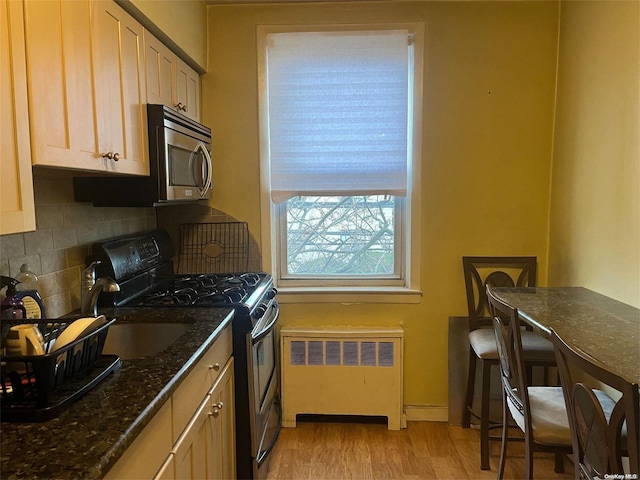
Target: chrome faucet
<point>90,289</point>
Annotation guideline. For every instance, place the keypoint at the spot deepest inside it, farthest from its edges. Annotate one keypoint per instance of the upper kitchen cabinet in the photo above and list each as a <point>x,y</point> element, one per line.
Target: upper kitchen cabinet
<point>17,211</point>
<point>86,86</point>
<point>188,90</point>
<point>120,87</point>
<point>170,81</point>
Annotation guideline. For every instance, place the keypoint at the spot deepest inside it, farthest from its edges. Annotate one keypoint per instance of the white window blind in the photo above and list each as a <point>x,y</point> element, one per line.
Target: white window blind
<point>338,109</point>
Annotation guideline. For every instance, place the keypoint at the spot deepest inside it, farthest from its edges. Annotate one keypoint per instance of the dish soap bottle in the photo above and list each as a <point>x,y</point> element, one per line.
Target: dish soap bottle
<point>12,307</point>
<point>27,291</point>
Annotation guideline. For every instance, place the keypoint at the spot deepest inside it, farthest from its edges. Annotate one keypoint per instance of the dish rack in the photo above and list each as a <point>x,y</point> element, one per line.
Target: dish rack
<point>36,388</point>
<point>221,247</point>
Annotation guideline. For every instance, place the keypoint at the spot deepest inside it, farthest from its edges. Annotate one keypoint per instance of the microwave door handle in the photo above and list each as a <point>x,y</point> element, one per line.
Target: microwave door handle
<point>196,169</point>
<point>206,171</point>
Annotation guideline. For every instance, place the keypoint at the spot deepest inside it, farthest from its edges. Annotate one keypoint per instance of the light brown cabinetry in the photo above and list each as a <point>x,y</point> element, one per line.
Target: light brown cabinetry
<point>188,90</point>
<point>170,81</point>
<point>120,86</point>
<point>17,212</point>
<point>193,434</point>
<point>206,448</point>
<point>86,85</point>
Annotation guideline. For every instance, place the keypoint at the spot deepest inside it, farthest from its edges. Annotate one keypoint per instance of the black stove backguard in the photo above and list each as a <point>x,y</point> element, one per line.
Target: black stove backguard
<point>137,262</point>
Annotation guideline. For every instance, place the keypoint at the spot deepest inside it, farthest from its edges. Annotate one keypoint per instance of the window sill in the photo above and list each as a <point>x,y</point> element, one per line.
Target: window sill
<point>348,295</point>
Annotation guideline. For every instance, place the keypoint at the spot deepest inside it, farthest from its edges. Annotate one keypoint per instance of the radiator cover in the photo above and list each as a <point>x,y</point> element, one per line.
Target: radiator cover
<point>342,371</point>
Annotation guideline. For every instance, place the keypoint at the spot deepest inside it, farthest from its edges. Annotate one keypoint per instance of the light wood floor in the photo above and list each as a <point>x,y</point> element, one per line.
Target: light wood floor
<point>425,450</point>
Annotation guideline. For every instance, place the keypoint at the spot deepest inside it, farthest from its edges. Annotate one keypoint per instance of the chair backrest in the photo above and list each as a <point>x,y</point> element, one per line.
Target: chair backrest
<point>496,272</point>
<point>597,429</point>
<point>506,326</point>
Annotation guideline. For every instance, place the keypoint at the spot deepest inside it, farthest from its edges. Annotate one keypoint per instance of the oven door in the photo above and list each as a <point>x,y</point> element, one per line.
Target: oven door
<point>188,167</point>
<point>264,387</point>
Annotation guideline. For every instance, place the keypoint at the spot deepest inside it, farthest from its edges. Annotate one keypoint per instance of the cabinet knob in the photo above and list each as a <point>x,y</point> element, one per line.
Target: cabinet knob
<point>216,410</point>
<point>111,156</point>
<point>215,366</point>
<point>181,107</point>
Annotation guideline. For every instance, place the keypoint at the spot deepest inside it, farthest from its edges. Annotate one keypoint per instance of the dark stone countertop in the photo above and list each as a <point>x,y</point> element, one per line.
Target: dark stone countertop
<point>604,328</point>
<point>86,440</point>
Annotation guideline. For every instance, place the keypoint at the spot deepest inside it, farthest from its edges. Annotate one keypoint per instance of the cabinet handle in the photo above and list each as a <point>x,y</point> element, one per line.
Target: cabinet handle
<point>215,366</point>
<point>111,156</point>
<point>216,410</point>
<point>181,106</point>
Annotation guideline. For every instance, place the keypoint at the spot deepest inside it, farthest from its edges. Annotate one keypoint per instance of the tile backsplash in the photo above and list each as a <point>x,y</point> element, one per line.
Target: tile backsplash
<point>66,229</point>
<point>57,250</point>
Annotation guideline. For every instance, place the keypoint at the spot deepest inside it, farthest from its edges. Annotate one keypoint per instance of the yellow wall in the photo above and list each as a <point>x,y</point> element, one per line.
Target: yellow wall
<point>489,81</point>
<point>595,208</point>
<point>184,21</point>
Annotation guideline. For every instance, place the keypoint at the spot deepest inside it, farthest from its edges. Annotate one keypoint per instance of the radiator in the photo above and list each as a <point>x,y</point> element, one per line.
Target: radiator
<point>354,371</point>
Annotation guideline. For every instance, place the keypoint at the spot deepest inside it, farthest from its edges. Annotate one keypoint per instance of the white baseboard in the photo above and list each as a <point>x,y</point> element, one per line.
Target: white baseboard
<point>426,413</point>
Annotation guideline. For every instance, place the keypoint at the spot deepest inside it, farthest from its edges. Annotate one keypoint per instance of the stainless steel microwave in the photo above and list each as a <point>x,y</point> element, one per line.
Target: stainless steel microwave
<point>180,167</point>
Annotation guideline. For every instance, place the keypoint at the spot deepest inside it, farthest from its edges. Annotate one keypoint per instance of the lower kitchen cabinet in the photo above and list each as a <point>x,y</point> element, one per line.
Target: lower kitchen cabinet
<point>143,458</point>
<point>206,447</point>
<point>193,434</point>
<point>167,470</point>
<point>221,439</point>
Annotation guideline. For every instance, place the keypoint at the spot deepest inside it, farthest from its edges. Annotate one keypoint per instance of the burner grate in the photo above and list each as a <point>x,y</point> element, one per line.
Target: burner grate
<point>213,248</point>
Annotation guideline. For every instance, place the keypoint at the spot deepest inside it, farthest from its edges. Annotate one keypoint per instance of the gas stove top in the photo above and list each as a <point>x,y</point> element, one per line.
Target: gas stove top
<point>203,290</point>
<point>142,266</point>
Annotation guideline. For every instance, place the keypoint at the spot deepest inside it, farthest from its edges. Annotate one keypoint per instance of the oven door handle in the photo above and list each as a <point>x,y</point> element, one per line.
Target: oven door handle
<point>265,331</point>
<point>262,454</point>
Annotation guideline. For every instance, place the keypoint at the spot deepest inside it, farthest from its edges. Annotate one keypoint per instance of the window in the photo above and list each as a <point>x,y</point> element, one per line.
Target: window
<point>337,143</point>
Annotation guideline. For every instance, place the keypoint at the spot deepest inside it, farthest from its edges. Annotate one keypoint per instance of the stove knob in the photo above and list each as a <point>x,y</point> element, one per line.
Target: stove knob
<point>271,293</point>
<point>260,311</point>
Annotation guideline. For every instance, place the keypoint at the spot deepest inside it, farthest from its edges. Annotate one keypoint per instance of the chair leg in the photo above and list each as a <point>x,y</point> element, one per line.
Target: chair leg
<point>559,463</point>
<point>505,436</point>
<point>528,457</point>
<point>484,415</point>
<point>471,381</point>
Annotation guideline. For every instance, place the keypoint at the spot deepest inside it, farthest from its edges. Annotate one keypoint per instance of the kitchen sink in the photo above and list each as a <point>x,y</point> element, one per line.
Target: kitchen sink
<point>135,340</point>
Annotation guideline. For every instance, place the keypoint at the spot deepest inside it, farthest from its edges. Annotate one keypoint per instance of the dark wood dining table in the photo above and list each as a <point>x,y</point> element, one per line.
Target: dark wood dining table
<point>602,327</point>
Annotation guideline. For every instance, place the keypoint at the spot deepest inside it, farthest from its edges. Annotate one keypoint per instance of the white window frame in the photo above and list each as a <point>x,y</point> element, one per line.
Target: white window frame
<point>405,289</point>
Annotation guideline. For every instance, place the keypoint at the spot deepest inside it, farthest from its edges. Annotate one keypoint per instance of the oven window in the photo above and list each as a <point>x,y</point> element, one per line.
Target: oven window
<point>180,171</point>
<point>264,357</point>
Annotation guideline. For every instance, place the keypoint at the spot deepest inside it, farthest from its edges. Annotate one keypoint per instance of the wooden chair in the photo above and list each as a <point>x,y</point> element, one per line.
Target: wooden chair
<point>603,430</point>
<point>497,272</point>
<point>539,412</point>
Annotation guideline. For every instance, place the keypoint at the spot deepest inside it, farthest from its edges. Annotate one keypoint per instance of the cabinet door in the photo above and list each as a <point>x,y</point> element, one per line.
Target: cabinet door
<point>60,81</point>
<point>190,450</point>
<point>221,443</point>
<point>166,471</point>
<point>188,90</point>
<point>17,213</point>
<point>147,455</point>
<point>206,448</point>
<point>160,69</point>
<point>120,88</point>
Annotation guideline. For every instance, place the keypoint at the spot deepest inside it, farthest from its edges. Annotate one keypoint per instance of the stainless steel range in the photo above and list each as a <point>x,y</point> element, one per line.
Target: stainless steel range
<point>142,266</point>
